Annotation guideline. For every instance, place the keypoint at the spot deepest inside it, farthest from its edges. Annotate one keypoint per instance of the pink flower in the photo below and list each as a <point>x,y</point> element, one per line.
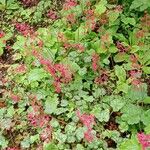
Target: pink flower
<point>71,18</point>
<point>52,15</point>
<point>140,34</point>
<point>59,72</point>
<point>103,78</point>
<point>40,43</point>
<point>89,136</point>
<point>66,75</point>
<point>95,61</point>
<point>79,47</point>
<point>69,4</point>
<point>144,140</point>
<point>21,68</point>
<point>46,134</point>
<point>57,86</point>
<point>38,120</point>
<point>23,28</point>
<point>2,34</point>
<point>88,122</point>
<point>61,37</point>
<point>15,98</point>
<point>121,47</point>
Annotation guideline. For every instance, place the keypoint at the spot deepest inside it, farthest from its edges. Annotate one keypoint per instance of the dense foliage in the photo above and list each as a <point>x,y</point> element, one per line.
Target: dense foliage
<point>74,74</point>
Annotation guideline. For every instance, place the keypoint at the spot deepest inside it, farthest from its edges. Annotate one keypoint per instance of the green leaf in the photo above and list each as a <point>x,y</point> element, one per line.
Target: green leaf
<point>26,142</point>
<point>80,133</point>
<point>60,136</point>
<point>123,126</point>
<point>131,114</point>
<point>147,129</point>
<point>113,49</point>
<point>19,44</point>
<point>130,144</point>
<point>36,74</point>
<point>51,104</point>
<point>50,146</point>
<point>101,7</point>
<point>79,147</point>
<point>117,103</point>
<point>140,5</point>
<point>146,69</point>
<point>3,142</point>
<point>121,57</point>
<point>128,21</point>
<point>80,33</point>
<point>146,100</point>
<point>120,73</point>
<point>3,2</point>
<point>113,15</point>
<point>34,138</point>
<point>101,115</point>
<point>145,118</point>
<point>138,92</point>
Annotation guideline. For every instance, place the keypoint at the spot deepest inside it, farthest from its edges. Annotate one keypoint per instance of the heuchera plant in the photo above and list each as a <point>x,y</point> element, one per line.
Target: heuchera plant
<point>74,75</point>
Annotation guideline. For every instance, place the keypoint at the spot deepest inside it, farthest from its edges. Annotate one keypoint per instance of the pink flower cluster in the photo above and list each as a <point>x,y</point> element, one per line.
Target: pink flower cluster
<point>71,18</point>
<point>95,61</point>
<point>88,122</point>
<point>38,118</point>
<point>144,140</point>
<point>46,134</point>
<point>59,72</point>
<point>77,46</point>
<point>135,73</point>
<point>52,15</point>
<point>15,98</point>
<point>121,47</point>
<point>102,79</point>
<point>24,29</point>
<point>90,17</point>
<point>2,34</point>
<point>21,68</point>
<point>69,4</point>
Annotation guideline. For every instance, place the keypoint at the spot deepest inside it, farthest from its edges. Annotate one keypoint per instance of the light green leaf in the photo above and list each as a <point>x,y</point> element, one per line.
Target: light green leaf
<point>113,15</point>
<point>101,7</point>
<point>34,138</point>
<point>25,143</point>
<point>146,100</point>
<point>50,146</point>
<point>3,142</point>
<point>128,21</point>
<point>146,69</point>
<point>51,104</point>
<point>131,114</point>
<point>80,133</point>
<point>130,144</point>
<point>102,115</point>
<point>120,73</point>
<point>113,49</point>
<point>145,118</point>
<point>117,103</point>
<point>36,74</point>
<point>1,51</point>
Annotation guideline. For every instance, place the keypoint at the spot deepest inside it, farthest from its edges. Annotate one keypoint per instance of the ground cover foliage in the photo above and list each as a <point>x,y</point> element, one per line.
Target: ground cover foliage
<point>74,74</point>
